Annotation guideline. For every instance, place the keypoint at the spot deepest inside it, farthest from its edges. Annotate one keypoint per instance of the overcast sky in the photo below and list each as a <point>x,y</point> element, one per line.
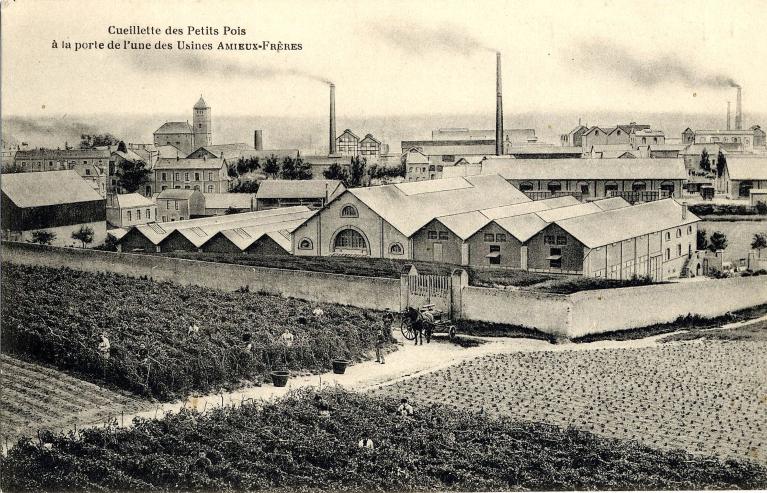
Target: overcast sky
<point>389,58</point>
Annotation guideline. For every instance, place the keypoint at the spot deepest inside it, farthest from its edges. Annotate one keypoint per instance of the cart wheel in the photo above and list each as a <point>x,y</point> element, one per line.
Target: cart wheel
<point>451,332</point>
<point>407,329</point>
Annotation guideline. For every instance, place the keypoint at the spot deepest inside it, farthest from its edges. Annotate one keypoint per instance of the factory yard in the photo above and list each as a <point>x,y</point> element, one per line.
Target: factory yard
<point>708,397</point>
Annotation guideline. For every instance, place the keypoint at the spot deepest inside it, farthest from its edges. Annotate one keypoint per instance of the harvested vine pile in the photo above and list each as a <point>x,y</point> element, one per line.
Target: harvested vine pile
<point>56,315</point>
<point>290,445</point>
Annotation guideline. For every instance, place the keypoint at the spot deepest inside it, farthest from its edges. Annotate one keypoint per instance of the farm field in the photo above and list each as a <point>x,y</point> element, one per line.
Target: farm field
<point>55,315</point>
<point>706,397</point>
<point>291,445</point>
<point>37,397</point>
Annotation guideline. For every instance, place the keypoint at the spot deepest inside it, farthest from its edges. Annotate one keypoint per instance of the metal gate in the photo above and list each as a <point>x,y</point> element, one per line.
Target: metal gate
<point>424,289</point>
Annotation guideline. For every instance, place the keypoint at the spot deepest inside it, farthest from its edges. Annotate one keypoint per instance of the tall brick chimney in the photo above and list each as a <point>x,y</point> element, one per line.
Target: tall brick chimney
<point>258,140</point>
<point>738,113</point>
<point>498,107</point>
<point>332,131</point>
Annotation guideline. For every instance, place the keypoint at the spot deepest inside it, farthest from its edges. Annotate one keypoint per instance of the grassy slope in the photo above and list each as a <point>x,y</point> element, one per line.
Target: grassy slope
<point>287,445</point>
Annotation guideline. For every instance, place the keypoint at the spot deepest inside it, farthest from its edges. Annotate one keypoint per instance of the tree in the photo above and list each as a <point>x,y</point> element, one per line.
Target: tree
<point>89,141</point>
<point>245,186</point>
<point>303,170</point>
<point>759,242</point>
<point>246,165</point>
<point>131,175</point>
<point>702,240</point>
<point>43,237</point>
<point>357,171</point>
<point>721,162</point>
<point>705,163</point>
<point>288,169</point>
<point>718,241</point>
<point>230,210</point>
<point>761,208</point>
<point>84,235</point>
<point>272,166</point>
<point>336,172</point>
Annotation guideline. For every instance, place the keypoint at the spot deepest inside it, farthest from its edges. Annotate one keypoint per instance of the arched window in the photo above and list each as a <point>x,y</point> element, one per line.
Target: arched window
<point>610,186</point>
<point>745,188</point>
<point>349,211</point>
<point>350,239</point>
<point>396,249</point>
<point>305,244</point>
<point>667,186</point>
<point>554,186</point>
<point>644,140</point>
<point>583,187</point>
<point>639,186</point>
<point>525,186</point>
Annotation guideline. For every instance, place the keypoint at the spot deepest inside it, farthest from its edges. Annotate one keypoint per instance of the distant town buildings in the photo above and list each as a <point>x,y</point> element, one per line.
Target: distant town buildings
<point>58,202</point>
<point>130,209</point>
<point>209,175</point>
<point>91,165</point>
<point>186,138</point>
<point>730,140</point>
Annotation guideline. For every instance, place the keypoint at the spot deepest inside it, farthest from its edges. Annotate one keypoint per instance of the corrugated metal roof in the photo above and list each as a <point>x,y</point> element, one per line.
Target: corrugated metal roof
<point>585,169</point>
<point>47,188</point>
<point>747,168</point>
<point>595,230</point>
<point>303,189</point>
<point>244,236</point>
<point>427,200</point>
<point>174,128</point>
<point>157,232</point>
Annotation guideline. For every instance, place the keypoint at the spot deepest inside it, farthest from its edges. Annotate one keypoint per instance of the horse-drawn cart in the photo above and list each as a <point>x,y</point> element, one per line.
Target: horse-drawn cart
<point>428,319</point>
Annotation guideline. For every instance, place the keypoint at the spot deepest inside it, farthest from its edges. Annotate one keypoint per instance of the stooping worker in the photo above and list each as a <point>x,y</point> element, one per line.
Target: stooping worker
<point>322,406</point>
<point>405,409</point>
<point>365,443</point>
<point>103,345</point>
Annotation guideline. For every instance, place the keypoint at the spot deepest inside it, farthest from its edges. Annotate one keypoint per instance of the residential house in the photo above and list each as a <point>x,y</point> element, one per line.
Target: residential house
<point>288,193</point>
<point>179,205</point>
<point>574,138</point>
<point>59,202</point>
<point>209,175</point>
<point>130,209</point>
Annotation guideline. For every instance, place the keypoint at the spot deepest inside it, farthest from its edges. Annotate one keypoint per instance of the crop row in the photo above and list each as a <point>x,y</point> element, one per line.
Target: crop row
<point>289,445</point>
<point>56,315</point>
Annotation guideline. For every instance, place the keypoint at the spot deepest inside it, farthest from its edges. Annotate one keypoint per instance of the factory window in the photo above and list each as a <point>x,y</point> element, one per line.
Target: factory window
<point>639,186</point>
<point>197,177</point>
<point>130,216</point>
<point>668,253</point>
<point>187,187</point>
<point>679,250</point>
<point>644,140</point>
<point>548,240</point>
<point>186,176</point>
<point>396,249</point>
<point>495,254</point>
<point>500,237</point>
<point>610,186</point>
<point>164,218</point>
<point>175,204</point>
<point>210,188</point>
<point>655,139</point>
<point>349,211</point>
<point>689,230</point>
<point>163,177</point>
<point>177,187</point>
<point>667,186</point>
<point>489,237</point>
<point>138,214</point>
<point>176,176</point>
<point>85,162</point>
<point>305,244</point>
<point>525,186</point>
<point>443,235</point>
<point>668,235</point>
<point>197,187</point>
<point>554,186</point>
<point>87,172</point>
<point>678,232</point>
<point>561,240</point>
<point>432,235</point>
<point>148,214</point>
<point>350,239</point>
<point>210,176</point>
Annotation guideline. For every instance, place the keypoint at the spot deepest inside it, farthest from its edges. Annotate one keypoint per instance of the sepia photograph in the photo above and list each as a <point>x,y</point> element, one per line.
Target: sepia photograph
<point>383,245</point>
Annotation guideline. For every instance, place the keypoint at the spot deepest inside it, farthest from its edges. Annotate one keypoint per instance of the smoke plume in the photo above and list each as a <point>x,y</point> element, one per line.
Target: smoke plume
<point>604,56</point>
<point>188,64</point>
<point>418,40</point>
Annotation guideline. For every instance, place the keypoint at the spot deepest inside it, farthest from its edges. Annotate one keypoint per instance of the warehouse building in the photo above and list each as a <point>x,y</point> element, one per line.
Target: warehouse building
<point>193,234</point>
<point>288,193</point>
<point>59,202</point>
<point>741,174</point>
<point>381,221</point>
<point>637,180</point>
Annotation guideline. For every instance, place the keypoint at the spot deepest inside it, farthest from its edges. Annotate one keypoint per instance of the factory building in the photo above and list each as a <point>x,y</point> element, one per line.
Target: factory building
<point>381,221</point>
<point>741,174</point>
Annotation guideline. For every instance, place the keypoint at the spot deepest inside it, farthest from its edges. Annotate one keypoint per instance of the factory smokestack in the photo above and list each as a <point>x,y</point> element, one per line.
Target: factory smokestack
<point>738,113</point>
<point>728,116</point>
<point>332,131</point>
<point>258,140</point>
<point>498,107</point>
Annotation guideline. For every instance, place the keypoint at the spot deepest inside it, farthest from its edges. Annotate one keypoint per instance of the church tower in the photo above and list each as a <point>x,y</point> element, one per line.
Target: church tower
<point>201,126</point>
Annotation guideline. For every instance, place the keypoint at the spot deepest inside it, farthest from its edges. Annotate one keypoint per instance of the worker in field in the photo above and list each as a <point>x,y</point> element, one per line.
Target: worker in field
<point>193,330</point>
<point>383,337</point>
<point>405,409</point>
<point>365,443</point>
<point>103,345</point>
<point>322,406</point>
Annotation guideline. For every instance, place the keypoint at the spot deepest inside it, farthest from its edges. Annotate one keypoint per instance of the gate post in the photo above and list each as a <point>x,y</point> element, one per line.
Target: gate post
<point>459,279</point>
<point>404,286</point>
